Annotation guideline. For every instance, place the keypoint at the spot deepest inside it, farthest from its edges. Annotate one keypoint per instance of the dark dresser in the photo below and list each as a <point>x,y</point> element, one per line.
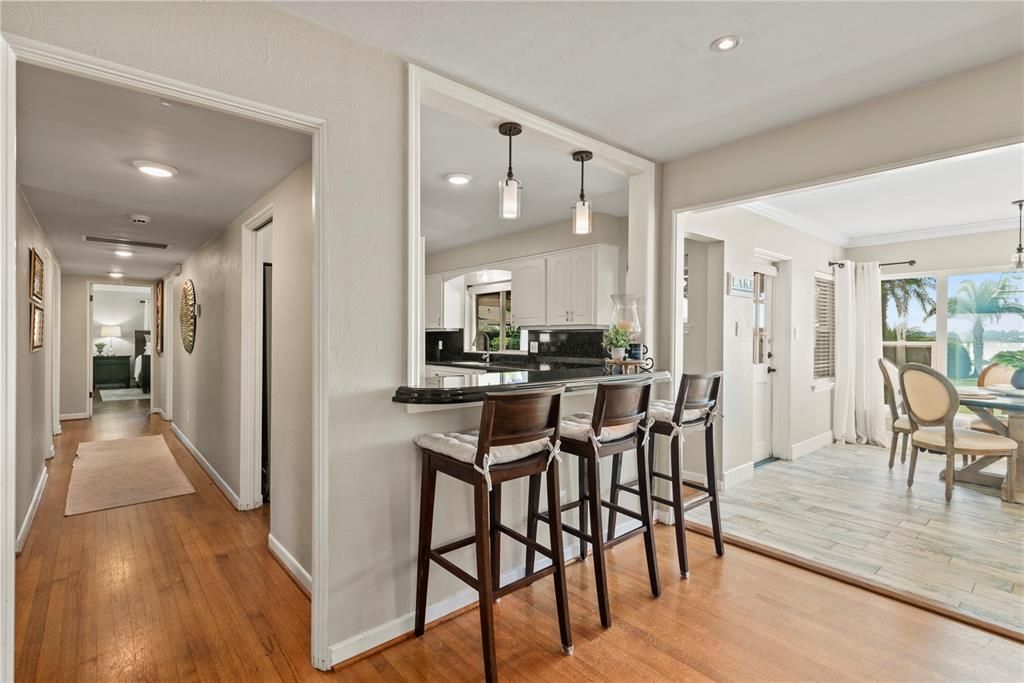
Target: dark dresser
<point>111,371</point>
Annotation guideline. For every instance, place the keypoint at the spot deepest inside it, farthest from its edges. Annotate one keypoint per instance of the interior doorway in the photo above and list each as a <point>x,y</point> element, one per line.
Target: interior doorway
<point>120,339</point>
<point>268,283</point>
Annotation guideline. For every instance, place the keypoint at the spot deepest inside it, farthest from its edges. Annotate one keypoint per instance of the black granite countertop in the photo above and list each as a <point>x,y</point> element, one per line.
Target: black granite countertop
<point>471,388</point>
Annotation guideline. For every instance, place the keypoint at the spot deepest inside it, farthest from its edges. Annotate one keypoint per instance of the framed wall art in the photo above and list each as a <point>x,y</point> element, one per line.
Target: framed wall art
<point>35,275</point>
<point>35,341</point>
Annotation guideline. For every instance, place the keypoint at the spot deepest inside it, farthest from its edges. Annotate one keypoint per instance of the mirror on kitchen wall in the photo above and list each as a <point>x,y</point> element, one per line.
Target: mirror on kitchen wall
<point>519,271</point>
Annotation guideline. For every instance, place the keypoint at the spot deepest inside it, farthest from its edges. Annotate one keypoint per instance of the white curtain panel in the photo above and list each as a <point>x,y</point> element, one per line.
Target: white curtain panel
<point>859,410</point>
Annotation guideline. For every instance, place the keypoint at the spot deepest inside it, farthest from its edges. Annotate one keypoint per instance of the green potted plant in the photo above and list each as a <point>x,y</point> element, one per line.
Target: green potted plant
<point>1015,360</point>
<point>617,340</point>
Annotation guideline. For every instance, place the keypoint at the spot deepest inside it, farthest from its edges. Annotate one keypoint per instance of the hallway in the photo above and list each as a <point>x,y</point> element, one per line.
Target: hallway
<point>180,588</point>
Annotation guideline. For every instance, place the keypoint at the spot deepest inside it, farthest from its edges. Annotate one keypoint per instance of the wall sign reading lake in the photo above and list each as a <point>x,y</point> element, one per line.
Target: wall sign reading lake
<point>739,285</point>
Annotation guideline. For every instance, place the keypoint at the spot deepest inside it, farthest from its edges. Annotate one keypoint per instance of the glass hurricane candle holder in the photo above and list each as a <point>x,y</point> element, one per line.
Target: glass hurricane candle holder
<point>625,315</point>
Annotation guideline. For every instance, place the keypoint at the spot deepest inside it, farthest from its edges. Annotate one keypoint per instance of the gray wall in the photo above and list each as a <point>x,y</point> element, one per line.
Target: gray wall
<point>34,405</point>
<point>979,250</point>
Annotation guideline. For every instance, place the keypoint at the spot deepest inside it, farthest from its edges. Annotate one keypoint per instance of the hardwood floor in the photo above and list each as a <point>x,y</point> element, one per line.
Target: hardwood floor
<point>842,506</point>
<point>184,589</point>
<point>177,589</point>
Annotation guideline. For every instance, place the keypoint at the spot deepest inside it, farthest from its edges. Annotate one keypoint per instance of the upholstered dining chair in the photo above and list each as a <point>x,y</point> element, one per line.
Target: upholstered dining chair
<point>989,376</point>
<point>932,403</point>
<point>894,397</point>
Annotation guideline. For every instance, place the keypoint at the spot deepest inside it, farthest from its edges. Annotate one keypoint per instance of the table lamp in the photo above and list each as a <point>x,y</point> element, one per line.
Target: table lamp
<point>110,331</point>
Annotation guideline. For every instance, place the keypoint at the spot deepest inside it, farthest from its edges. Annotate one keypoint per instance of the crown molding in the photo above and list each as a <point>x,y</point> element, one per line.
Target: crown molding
<point>766,209</point>
<point>931,233</point>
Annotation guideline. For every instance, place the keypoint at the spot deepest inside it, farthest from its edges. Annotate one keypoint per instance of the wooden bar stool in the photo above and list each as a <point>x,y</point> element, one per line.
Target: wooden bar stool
<point>518,437</point>
<point>694,409</point>
<point>618,424</point>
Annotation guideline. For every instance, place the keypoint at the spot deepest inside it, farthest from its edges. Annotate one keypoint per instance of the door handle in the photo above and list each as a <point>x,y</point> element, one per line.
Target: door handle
<point>771,370</point>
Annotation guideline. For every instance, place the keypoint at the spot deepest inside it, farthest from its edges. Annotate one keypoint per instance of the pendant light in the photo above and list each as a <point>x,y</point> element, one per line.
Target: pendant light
<point>510,190</point>
<point>1017,262</point>
<point>581,223</point>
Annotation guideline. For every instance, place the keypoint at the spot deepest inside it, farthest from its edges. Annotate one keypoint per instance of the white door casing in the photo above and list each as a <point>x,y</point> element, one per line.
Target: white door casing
<point>763,303</point>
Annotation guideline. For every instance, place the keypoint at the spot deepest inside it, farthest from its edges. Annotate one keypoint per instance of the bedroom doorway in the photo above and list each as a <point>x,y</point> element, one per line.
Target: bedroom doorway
<point>119,346</point>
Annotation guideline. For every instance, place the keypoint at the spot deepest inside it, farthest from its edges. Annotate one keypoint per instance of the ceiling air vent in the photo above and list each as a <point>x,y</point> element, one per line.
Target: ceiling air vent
<point>123,242</point>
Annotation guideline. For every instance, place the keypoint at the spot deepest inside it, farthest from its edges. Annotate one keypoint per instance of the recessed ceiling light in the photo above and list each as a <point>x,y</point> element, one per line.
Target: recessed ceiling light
<point>123,253</point>
<point>155,169</point>
<point>726,43</point>
<point>117,276</point>
<point>458,178</point>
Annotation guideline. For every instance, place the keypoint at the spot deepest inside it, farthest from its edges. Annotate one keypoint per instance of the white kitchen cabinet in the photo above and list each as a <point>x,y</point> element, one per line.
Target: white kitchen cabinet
<point>580,284</point>
<point>559,288</point>
<point>529,307</point>
<point>453,314</point>
<point>433,303</point>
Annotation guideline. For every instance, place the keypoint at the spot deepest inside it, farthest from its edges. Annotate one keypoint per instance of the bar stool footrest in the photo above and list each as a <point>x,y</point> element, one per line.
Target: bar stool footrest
<point>525,581</point>
<point>515,535</point>
<point>459,572</point>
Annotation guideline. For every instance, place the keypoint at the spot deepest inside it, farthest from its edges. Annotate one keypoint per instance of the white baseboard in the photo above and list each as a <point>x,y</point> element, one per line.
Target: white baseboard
<point>738,475</point>
<point>808,446</point>
<point>53,451</point>
<point>162,414</point>
<point>367,640</point>
<point>74,416</point>
<point>290,563</point>
<point>217,479</point>
<point>30,516</point>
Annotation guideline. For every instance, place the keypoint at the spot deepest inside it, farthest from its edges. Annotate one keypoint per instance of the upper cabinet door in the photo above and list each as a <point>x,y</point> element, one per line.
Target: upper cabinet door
<point>433,302</point>
<point>528,304</point>
<point>583,287</point>
<point>559,286</point>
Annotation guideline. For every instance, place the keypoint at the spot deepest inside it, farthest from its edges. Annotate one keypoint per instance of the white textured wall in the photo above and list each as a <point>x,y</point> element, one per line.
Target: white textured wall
<point>34,406</point>
<point>980,250</point>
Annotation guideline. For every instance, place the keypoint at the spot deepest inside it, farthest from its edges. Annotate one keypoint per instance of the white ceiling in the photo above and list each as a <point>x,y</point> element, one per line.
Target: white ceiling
<point>961,195</point>
<point>453,215</point>
<point>77,139</point>
<point>639,75</point>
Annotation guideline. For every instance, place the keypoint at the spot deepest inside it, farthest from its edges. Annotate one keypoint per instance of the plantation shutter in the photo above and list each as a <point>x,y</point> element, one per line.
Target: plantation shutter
<point>824,328</point>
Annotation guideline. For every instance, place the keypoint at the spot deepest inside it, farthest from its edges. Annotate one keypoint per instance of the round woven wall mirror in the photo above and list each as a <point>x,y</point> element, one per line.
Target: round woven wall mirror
<point>187,316</point>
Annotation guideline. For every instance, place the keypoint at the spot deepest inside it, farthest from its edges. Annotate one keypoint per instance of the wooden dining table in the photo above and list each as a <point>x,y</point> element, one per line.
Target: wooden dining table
<point>984,405</point>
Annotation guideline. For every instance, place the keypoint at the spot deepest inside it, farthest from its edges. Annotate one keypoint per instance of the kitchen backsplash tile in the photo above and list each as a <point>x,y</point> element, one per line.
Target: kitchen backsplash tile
<point>450,342</point>
<point>570,343</point>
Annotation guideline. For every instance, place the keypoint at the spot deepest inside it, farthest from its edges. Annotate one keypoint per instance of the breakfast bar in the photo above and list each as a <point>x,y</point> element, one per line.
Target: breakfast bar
<point>471,388</point>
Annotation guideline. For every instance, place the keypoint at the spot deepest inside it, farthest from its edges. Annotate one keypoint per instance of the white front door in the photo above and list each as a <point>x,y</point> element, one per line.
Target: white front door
<point>763,370</point>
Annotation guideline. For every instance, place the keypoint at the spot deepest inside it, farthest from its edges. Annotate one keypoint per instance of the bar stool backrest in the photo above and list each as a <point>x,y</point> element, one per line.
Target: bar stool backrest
<point>697,392</point>
<point>930,398</point>
<point>620,403</point>
<point>893,392</point>
<point>514,417</point>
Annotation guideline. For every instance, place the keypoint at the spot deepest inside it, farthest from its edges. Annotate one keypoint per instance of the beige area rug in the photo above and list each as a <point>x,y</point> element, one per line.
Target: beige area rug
<point>111,474</point>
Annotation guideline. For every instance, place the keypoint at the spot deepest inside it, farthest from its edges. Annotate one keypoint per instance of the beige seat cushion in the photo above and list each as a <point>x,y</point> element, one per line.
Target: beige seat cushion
<point>661,411</point>
<point>902,424</point>
<point>934,438</point>
<point>980,425</point>
<point>577,428</point>
<point>462,446</point>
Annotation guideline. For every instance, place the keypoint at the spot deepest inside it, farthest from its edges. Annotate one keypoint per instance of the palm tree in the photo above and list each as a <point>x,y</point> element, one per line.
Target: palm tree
<point>983,302</point>
<point>901,292</point>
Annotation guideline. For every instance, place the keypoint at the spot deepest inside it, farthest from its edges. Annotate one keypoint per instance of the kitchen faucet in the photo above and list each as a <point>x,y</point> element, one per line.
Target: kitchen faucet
<point>486,347</point>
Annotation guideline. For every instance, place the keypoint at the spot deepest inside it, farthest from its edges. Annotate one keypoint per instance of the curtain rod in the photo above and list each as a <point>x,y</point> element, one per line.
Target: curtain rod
<point>911,262</point>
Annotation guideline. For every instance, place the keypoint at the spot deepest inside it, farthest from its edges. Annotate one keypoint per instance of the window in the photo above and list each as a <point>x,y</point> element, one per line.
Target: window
<point>986,316</point>
<point>909,320</point>
<point>492,311</point>
<point>824,327</point>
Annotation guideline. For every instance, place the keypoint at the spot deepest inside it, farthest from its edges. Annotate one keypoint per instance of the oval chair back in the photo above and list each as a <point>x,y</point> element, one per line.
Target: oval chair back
<point>620,403</point>
<point>930,398</point>
<point>994,374</point>
<point>514,417</point>
<point>893,392</point>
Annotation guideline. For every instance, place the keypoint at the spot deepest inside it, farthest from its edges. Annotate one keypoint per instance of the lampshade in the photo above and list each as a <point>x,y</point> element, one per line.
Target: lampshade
<point>110,331</point>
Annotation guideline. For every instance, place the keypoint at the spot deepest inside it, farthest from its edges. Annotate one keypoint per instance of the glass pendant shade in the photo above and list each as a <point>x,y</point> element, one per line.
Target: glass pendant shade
<point>510,197</point>
<point>581,223</point>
